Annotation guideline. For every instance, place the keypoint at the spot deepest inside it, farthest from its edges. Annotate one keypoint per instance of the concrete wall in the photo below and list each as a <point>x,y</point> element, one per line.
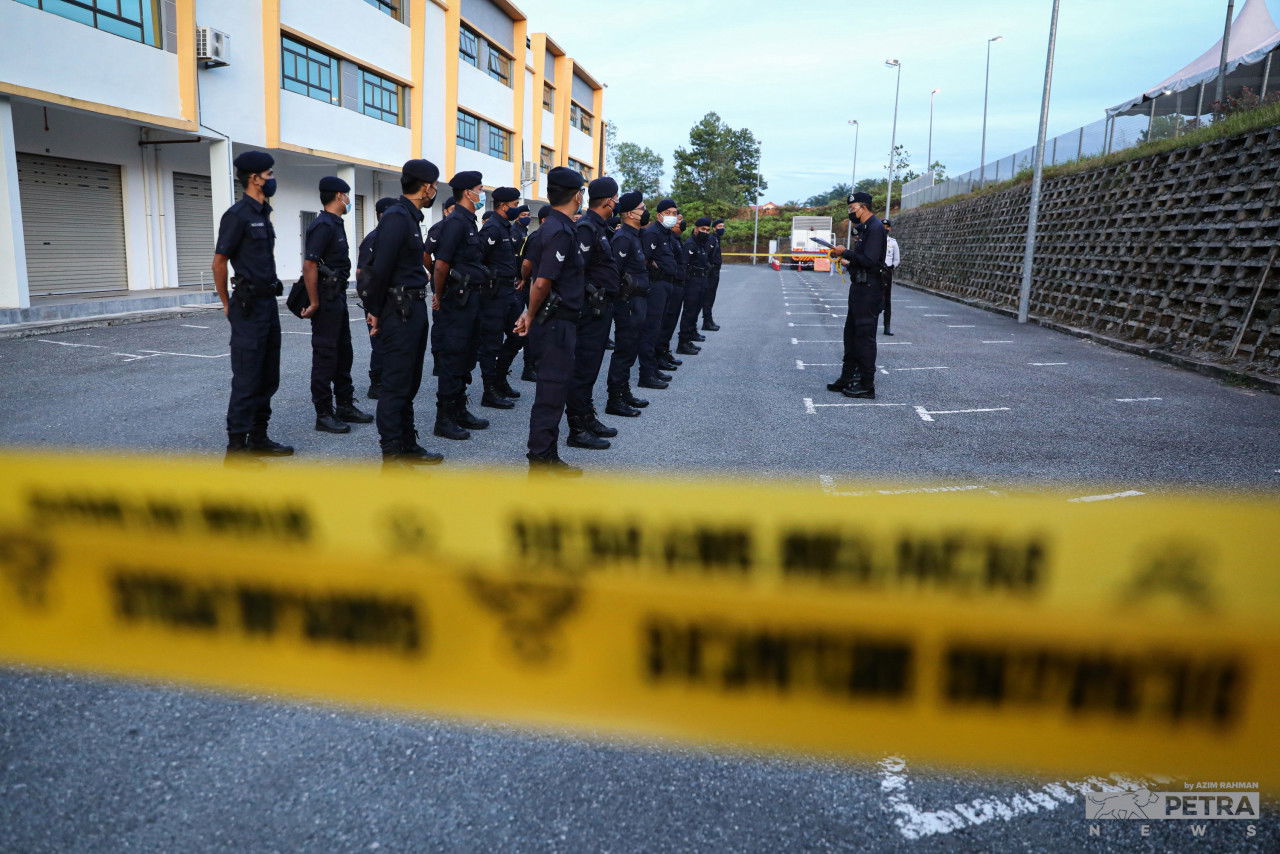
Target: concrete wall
<point>345,131</point>
<point>581,146</point>
<point>355,27</point>
<point>231,97</point>
<point>1167,251</point>
<point>480,93</point>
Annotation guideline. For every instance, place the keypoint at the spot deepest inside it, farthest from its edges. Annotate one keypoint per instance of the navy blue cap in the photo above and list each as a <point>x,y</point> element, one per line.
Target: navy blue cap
<point>449,202</point>
<point>383,203</point>
<point>629,201</point>
<point>565,178</point>
<point>420,170</point>
<point>602,188</point>
<point>466,181</point>
<point>522,210</point>
<point>485,217</point>
<point>544,212</point>
<point>505,194</point>
<point>718,222</point>
<point>703,220</point>
<point>334,185</point>
<point>887,223</point>
<point>254,162</point>
<point>665,205</point>
<point>860,198</point>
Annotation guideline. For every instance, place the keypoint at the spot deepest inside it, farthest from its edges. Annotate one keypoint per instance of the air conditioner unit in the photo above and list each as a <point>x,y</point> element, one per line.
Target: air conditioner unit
<point>528,172</point>
<point>213,47</point>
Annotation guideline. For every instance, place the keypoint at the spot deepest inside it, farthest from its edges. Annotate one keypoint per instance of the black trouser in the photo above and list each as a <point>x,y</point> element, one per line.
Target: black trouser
<point>694,291</point>
<point>454,343</point>
<point>629,320</point>
<point>552,343</point>
<point>588,357</point>
<point>331,352</point>
<point>495,305</point>
<point>404,347</point>
<point>709,295</point>
<point>671,315</point>
<point>860,332</point>
<point>659,291</point>
<point>888,306</point>
<point>255,363</point>
<point>375,355</point>
<point>513,343</point>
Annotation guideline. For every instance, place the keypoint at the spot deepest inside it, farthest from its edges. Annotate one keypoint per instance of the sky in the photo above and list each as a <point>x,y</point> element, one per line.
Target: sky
<point>796,72</point>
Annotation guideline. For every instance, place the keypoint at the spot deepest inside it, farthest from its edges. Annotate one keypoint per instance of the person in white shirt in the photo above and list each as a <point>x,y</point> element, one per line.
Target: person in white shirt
<point>892,258</point>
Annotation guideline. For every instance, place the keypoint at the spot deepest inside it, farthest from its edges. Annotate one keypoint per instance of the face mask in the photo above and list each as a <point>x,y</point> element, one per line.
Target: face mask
<point>669,222</point>
<point>719,232</point>
<point>524,220</point>
<point>346,209</point>
<point>429,202</point>
<point>700,235</point>
<point>511,214</point>
<point>269,188</point>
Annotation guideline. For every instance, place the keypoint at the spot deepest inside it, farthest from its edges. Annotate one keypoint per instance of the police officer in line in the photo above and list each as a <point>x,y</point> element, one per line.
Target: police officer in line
<point>866,291</point>
<point>326,267</point>
<point>663,274</point>
<point>892,260</point>
<point>697,256</point>
<point>551,321</point>
<point>602,283</point>
<point>430,242</point>
<point>631,307</point>
<point>364,261</point>
<point>520,227</point>
<point>498,301</point>
<point>395,299</point>
<point>716,256</point>
<point>458,277</point>
<point>247,239</point>
<point>675,301</point>
<point>515,343</point>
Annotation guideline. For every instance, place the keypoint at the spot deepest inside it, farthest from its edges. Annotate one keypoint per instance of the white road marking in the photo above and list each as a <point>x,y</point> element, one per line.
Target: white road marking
<point>808,407</point>
<point>1136,399</point>
<point>810,325</point>
<point>887,343</point>
<point>188,355</point>
<point>1002,341</point>
<point>960,326</point>
<point>1084,499</point>
<point>927,415</point>
<point>934,368</point>
<point>817,341</point>
<point>68,344</point>
<point>823,313</point>
<point>1046,364</point>
<point>192,326</point>
<point>935,315</point>
<point>800,366</point>
<point>828,484</point>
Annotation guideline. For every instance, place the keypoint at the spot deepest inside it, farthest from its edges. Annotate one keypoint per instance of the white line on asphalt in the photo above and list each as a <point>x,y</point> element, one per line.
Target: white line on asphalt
<point>132,357</point>
<point>291,332</point>
<point>824,313</point>
<point>188,355</point>
<point>811,325</point>
<point>68,344</point>
<point>818,341</point>
<point>935,315</point>
<point>1002,341</point>
<point>927,415</point>
<point>192,326</point>
<point>960,326</point>
<point>934,368</point>
<point>808,407</point>
<point>887,343</point>
<point>1136,399</point>
<point>1130,493</point>
<point>799,365</point>
<point>1046,364</point>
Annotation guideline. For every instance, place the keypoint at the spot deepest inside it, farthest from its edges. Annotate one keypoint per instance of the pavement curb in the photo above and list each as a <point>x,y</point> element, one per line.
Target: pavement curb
<point>1198,366</point>
<point>52,327</point>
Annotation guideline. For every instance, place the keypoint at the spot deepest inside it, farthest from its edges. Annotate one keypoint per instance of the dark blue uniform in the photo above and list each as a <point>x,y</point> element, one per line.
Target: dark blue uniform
<point>559,259</point>
<point>675,300</point>
<point>716,257</point>
<point>697,258</point>
<point>593,326</point>
<point>663,273</point>
<point>397,297</point>
<point>457,321</point>
<point>866,293</point>
<point>631,308</point>
<point>364,260</point>
<point>247,238</point>
<point>331,356</point>
<point>499,299</point>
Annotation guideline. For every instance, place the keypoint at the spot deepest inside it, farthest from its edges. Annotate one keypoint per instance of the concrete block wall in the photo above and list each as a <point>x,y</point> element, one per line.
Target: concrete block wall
<point>1167,251</point>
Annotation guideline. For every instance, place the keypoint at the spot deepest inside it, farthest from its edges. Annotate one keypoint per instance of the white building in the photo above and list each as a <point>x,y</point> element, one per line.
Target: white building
<point>118,125</point>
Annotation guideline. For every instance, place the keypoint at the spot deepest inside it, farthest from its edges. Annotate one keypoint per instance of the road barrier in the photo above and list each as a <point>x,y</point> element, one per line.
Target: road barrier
<point>1014,632</point>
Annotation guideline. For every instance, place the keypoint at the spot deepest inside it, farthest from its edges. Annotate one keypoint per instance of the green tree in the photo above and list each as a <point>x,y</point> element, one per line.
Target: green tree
<point>638,168</point>
<point>720,167</point>
<point>839,192</point>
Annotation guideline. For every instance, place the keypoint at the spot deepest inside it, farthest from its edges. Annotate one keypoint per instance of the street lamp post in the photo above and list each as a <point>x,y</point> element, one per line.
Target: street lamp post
<point>1033,209</point>
<point>928,164</point>
<point>893,138</point>
<point>853,178</point>
<point>986,92</point>
<point>755,236</point>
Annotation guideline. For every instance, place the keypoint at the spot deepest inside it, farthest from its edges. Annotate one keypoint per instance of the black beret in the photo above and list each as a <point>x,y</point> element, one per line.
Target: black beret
<point>544,212</point>
<point>644,218</point>
<point>630,201</point>
<point>665,204</point>
<point>860,198</point>
<point>718,222</point>
<point>602,188</point>
<point>565,178</point>
<point>505,194</point>
<point>383,204</point>
<point>420,170</point>
<point>485,217</point>
<point>334,185</point>
<point>449,202</point>
<point>703,220</point>
<point>522,210</point>
<point>887,223</point>
<point>466,181</point>
<point>254,162</point>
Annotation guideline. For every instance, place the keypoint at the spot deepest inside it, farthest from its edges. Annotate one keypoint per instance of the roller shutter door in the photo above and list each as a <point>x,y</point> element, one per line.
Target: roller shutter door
<point>359,219</point>
<point>73,217</point>
<point>193,227</point>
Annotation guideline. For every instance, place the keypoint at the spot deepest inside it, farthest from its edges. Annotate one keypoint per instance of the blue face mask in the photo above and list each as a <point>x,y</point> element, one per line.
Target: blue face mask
<point>511,214</point>
<point>269,188</point>
<point>524,220</point>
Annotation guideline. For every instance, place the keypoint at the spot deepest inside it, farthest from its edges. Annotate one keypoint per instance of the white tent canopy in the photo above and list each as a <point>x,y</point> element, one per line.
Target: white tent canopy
<point>1254,36</point>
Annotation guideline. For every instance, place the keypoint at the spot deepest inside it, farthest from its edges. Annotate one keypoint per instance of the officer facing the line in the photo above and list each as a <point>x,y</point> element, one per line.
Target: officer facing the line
<point>396,303</point>
<point>247,239</point>
<point>858,375</point>
<point>364,261</point>
<point>499,306</point>
<point>326,266</point>
<point>713,277</point>
<point>663,273</point>
<point>551,321</point>
<point>697,256</point>
<point>631,307</point>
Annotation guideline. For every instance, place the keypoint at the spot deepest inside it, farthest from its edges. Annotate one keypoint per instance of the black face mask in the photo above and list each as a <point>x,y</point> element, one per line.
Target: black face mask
<point>719,232</point>
<point>430,202</point>
<point>700,235</point>
<point>512,214</point>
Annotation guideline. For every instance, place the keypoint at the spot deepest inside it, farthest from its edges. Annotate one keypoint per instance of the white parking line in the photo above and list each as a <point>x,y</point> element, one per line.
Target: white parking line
<point>1046,364</point>
<point>800,366</point>
<point>935,315</point>
<point>291,332</point>
<point>791,313</point>
<point>1136,399</point>
<point>934,368</point>
<point>188,355</point>
<point>927,415</point>
<point>1130,493</point>
<point>959,326</point>
<point>811,408</point>
<point>68,344</point>
<point>1002,341</point>
<point>192,326</point>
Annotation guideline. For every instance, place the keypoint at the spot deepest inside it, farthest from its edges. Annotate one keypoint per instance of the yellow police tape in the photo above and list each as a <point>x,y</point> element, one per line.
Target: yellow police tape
<point>1009,632</point>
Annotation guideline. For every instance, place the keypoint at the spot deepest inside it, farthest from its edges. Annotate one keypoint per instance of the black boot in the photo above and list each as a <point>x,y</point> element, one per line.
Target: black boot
<point>665,356</point>
<point>493,399</point>
<point>887,332</point>
<point>580,435</point>
<point>687,348</point>
<point>618,405</point>
<point>631,399</point>
<point>348,412</point>
<point>502,387</point>
<point>412,452</point>
<point>847,379</point>
<point>697,337</point>
<point>238,450</point>
<point>865,392</point>
<point>551,464</point>
<point>653,382</point>
<point>593,424</point>
<point>327,423</point>
<point>261,444</point>
<point>530,373</point>
<point>446,427</point>
<point>661,377</point>
<point>374,392</point>
<point>465,419</point>
<point>709,325</point>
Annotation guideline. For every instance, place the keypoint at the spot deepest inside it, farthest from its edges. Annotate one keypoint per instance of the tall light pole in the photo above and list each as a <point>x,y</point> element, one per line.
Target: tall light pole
<point>1033,210</point>
<point>986,92</point>
<point>853,178</point>
<point>928,163</point>
<point>893,138</point>
<point>1226,51</point>
<point>755,236</point>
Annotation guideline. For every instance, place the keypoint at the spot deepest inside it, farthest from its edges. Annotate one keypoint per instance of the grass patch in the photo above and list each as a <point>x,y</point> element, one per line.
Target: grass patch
<point>1233,125</point>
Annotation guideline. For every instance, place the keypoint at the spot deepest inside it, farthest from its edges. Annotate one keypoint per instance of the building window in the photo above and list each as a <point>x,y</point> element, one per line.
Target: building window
<point>585,170</point>
<point>469,46</point>
<point>546,159</point>
<point>468,131</point>
<point>499,142</point>
<point>381,98</point>
<point>499,66</point>
<point>579,118</point>
<point>137,20</point>
<point>308,71</point>
<point>390,7</point>
<point>548,97</point>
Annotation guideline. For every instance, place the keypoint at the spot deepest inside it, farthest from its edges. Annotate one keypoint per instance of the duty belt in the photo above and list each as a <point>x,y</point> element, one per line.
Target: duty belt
<point>254,290</point>
<point>408,293</point>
